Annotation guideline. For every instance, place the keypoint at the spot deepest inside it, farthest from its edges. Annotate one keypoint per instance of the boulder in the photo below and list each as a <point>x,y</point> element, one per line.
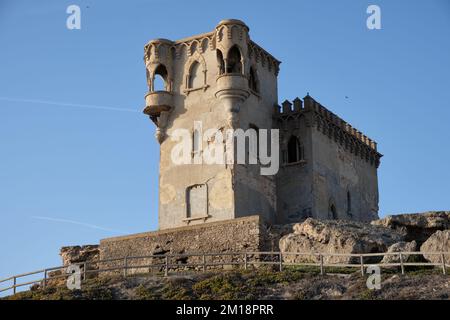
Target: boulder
<point>71,255</point>
<point>337,236</point>
<point>400,247</point>
<point>417,226</point>
<point>438,242</point>
<point>79,254</point>
<point>272,235</point>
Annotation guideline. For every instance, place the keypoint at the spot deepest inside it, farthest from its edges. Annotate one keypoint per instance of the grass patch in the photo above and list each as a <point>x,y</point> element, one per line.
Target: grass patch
<point>143,293</point>
<point>228,286</point>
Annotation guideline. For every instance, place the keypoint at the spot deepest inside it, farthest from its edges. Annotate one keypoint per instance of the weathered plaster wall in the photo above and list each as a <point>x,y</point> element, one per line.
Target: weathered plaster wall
<point>198,105</point>
<point>336,171</point>
<point>256,193</point>
<point>294,181</point>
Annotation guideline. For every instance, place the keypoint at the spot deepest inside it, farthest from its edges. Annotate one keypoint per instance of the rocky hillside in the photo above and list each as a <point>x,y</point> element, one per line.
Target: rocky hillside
<point>426,232</point>
<point>429,231</point>
<point>264,284</point>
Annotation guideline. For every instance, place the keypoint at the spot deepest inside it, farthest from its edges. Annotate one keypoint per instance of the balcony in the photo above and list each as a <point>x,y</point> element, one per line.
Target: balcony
<point>232,85</point>
<point>157,102</point>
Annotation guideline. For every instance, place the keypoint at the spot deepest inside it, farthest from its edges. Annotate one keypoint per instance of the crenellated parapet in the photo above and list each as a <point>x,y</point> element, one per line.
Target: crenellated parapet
<point>259,55</point>
<point>330,125</point>
<point>227,33</point>
<point>237,70</point>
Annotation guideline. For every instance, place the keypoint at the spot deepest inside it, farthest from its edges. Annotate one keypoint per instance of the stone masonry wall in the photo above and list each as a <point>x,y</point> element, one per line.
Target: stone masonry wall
<point>238,235</point>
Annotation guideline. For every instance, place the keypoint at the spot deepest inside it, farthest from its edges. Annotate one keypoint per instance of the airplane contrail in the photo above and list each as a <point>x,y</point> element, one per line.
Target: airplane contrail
<point>66,104</point>
<point>88,225</point>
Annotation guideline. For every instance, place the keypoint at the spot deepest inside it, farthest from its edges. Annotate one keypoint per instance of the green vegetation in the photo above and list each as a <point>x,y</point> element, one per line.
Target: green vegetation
<point>93,289</point>
<point>367,294</point>
<point>262,283</point>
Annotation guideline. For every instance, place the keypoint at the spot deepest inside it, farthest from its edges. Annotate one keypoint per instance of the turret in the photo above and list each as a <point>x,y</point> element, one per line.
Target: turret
<point>158,58</point>
<point>232,63</point>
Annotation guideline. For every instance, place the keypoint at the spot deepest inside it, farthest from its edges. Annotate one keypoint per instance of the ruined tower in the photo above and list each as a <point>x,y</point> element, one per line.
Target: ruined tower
<point>224,80</point>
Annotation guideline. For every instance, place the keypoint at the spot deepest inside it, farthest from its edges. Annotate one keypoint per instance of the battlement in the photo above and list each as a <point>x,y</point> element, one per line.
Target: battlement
<point>225,30</point>
<point>330,124</point>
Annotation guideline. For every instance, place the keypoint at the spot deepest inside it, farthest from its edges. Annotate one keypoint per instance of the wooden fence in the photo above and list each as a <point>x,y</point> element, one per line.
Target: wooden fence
<point>166,265</point>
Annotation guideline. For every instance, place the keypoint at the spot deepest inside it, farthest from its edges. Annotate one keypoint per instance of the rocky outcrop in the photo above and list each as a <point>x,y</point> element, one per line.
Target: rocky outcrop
<point>273,234</point>
<point>417,226</point>
<point>336,236</point>
<point>400,247</point>
<point>79,254</point>
<point>438,242</point>
<point>71,255</point>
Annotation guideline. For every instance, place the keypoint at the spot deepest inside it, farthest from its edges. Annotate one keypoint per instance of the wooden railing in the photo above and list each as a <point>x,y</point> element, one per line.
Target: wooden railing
<point>245,259</point>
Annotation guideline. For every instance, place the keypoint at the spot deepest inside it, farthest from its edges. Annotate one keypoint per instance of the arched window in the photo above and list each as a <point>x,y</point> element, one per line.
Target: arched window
<point>197,201</point>
<point>160,79</point>
<point>234,64</point>
<point>295,150</point>
<point>220,62</point>
<point>252,80</point>
<point>195,78</point>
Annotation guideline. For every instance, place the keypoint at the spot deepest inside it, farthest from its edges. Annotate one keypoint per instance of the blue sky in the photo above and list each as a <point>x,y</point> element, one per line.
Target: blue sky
<point>73,175</point>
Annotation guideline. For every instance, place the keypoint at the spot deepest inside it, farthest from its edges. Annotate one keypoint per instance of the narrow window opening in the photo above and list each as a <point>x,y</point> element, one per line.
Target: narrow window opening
<point>160,79</point>
<point>349,203</point>
<point>195,79</point>
<point>252,80</point>
<point>234,64</point>
<point>295,150</point>
<point>220,62</point>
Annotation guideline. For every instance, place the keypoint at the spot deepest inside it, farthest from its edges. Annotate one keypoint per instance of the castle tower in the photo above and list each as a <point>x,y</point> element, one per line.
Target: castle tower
<point>220,81</point>
<point>217,80</point>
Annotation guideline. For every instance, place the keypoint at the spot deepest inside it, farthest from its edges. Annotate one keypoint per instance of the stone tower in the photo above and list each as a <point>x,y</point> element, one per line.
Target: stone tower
<point>224,80</point>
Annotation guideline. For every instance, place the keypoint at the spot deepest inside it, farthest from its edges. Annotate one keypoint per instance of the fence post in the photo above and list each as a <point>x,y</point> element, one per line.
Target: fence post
<point>204,263</point>
<point>44,284</point>
<point>401,263</point>
<point>361,260</point>
<point>281,261</point>
<point>166,268</point>
<point>321,264</point>
<point>14,285</point>
<point>245,261</point>
<point>444,271</point>
<point>125,267</point>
